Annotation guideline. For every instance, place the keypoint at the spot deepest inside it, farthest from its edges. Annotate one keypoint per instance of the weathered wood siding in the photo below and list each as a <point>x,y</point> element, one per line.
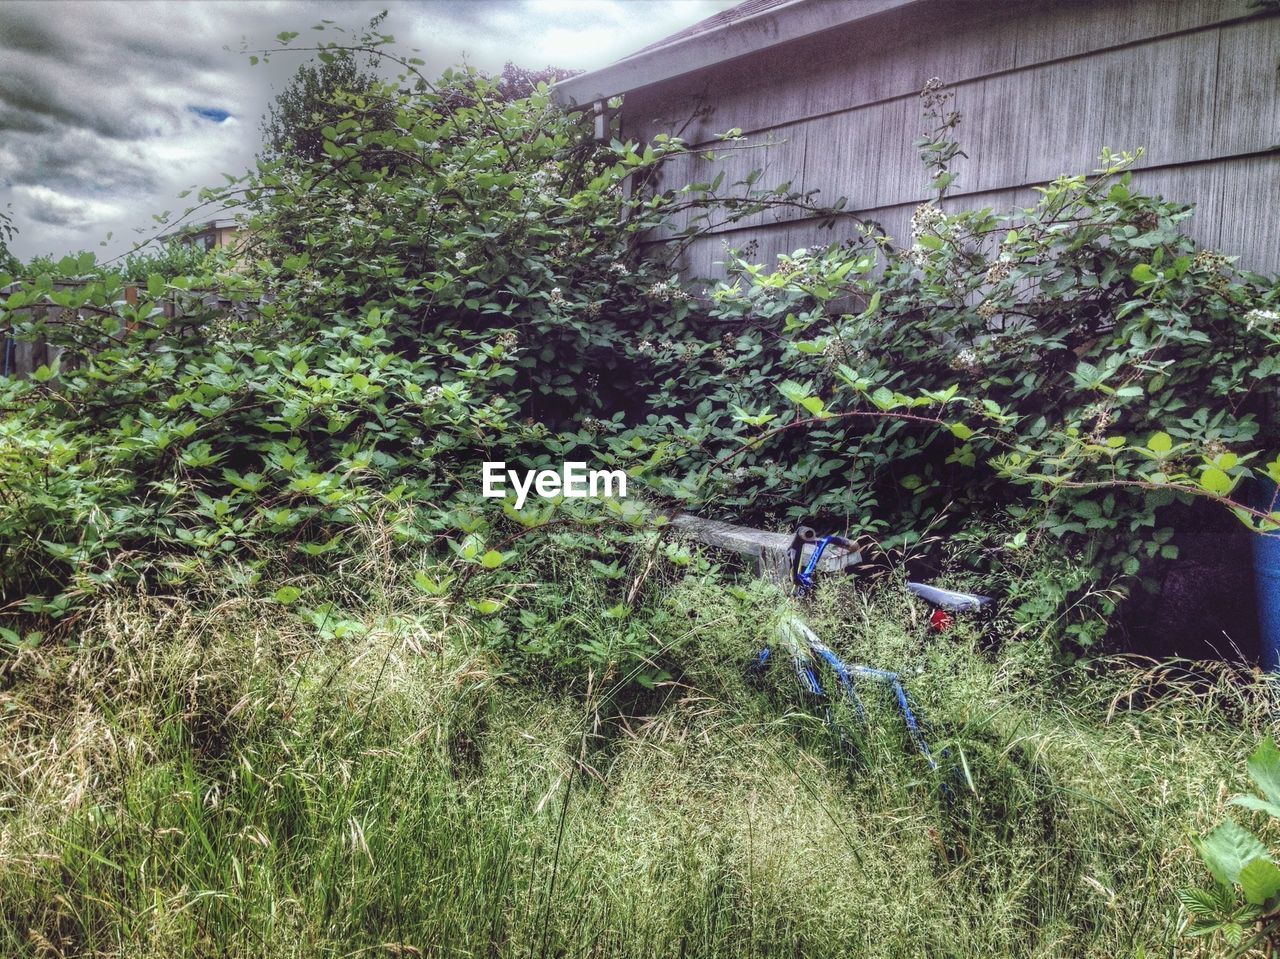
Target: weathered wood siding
<point>1043,85</point>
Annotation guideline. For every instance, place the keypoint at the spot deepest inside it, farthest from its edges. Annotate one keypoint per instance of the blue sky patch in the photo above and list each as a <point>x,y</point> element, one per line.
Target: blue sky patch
<point>210,113</point>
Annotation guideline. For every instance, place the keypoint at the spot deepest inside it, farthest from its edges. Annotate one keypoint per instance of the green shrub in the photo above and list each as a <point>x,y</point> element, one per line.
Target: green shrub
<point>1077,365</point>
<point>461,277</point>
<point>454,286</point>
<point>1243,907</point>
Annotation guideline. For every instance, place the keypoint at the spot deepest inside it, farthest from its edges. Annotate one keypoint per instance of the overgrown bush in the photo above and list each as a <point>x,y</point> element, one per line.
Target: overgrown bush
<point>453,288</point>
<point>1079,366</point>
<point>171,259</point>
<point>460,277</point>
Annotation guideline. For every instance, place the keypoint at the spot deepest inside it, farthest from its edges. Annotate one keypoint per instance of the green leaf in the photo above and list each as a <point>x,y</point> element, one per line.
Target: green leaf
<point>960,431</point>
<point>1254,803</point>
<point>793,391</point>
<point>882,398</point>
<point>1226,849</point>
<point>432,586</point>
<point>491,560</point>
<point>1199,903</point>
<point>470,547</point>
<point>1213,480</point>
<point>1087,509</point>
<point>1260,880</point>
<point>286,595</point>
<point>1160,442</point>
<point>873,304</point>
<point>1143,273</point>
<point>1264,769</point>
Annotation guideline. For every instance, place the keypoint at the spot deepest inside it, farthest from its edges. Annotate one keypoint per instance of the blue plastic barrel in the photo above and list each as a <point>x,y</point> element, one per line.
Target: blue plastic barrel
<point>1266,572</point>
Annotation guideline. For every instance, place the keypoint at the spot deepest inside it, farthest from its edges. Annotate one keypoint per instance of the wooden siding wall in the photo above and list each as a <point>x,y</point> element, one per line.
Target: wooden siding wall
<point>1043,85</point>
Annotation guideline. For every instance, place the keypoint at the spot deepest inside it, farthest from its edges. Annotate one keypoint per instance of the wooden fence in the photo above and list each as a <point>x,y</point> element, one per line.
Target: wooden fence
<point>20,356</point>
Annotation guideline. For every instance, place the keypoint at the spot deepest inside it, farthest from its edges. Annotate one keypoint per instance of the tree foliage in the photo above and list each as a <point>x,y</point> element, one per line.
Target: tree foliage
<point>320,94</point>
<point>517,83</point>
<point>8,262</point>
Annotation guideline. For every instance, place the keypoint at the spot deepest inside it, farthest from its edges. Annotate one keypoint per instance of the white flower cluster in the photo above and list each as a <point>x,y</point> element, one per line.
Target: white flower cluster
<point>933,94</point>
<point>665,291</point>
<point>835,350</point>
<point>1261,318</point>
<point>1100,413</point>
<point>927,218</point>
<point>999,270</point>
<point>966,360</point>
<point>659,291</point>
<point>1209,260</point>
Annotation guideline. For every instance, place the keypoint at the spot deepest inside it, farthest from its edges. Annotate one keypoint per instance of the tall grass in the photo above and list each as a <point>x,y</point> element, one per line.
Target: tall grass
<point>222,778</point>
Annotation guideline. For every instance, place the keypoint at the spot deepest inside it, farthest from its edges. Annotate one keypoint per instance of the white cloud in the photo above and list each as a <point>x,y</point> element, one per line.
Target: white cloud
<point>49,206</point>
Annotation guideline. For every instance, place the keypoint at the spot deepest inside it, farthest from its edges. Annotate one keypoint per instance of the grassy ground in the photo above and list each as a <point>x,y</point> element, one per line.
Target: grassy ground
<point>222,778</point>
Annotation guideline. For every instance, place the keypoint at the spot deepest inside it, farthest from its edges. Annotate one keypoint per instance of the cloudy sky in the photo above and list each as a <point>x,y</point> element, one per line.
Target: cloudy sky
<point>109,109</point>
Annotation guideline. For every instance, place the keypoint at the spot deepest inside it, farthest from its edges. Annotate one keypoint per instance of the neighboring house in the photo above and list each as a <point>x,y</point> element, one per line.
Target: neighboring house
<point>1043,86</point>
<point>212,235</point>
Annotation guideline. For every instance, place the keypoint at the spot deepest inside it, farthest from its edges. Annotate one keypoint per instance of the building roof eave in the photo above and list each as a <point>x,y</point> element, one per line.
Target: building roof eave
<point>790,21</point>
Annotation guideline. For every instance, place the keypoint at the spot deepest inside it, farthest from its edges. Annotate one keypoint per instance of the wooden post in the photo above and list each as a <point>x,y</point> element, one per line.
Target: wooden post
<point>601,118</point>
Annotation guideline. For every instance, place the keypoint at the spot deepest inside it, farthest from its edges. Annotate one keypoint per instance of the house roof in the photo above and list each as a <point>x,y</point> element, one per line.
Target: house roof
<point>739,31</point>
<point>195,229</point>
<point>723,18</point>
